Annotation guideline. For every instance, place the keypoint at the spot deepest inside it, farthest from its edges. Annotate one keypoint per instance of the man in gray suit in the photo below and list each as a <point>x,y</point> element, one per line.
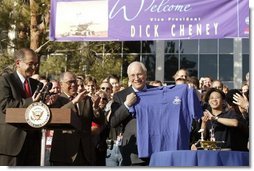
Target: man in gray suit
<point>19,147</point>
<point>120,116</point>
<point>74,147</point>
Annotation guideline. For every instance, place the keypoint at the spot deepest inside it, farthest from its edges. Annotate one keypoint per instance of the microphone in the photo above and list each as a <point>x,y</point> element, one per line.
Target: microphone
<point>39,87</point>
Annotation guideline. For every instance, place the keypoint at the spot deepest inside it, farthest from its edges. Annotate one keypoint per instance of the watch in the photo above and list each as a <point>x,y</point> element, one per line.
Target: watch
<point>216,118</point>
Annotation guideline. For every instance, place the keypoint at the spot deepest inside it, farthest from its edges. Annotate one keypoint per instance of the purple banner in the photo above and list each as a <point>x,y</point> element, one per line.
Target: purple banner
<point>120,20</point>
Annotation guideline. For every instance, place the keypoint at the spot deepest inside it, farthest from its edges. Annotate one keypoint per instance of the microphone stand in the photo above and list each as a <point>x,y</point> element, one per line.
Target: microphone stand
<point>43,146</point>
<point>43,131</point>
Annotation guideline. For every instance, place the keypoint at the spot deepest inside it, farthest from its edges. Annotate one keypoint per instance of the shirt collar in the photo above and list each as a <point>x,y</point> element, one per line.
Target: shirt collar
<point>21,77</point>
<point>135,90</point>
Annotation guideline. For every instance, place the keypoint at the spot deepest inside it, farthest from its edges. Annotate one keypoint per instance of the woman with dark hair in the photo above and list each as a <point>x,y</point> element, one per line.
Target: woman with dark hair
<point>220,124</point>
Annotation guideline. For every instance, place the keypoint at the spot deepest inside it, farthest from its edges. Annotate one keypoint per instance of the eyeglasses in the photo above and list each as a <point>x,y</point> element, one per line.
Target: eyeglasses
<point>71,82</point>
<point>31,64</point>
<point>105,88</point>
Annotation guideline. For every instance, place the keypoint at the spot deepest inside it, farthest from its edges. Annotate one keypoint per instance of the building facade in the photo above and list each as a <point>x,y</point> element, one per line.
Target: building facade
<point>223,59</point>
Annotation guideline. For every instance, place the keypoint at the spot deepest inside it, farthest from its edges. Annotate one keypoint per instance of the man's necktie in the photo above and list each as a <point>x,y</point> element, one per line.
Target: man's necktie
<point>27,89</point>
<point>76,106</point>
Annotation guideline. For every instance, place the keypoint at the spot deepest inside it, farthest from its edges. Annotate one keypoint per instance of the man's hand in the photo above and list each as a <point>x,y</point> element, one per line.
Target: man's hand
<point>130,99</point>
<point>79,97</point>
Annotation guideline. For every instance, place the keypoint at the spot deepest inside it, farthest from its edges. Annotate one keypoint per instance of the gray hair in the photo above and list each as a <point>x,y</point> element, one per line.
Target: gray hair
<point>21,53</point>
<point>136,63</point>
<point>62,75</point>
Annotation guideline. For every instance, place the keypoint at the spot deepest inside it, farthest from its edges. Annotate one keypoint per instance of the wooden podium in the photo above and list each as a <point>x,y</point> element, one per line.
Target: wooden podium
<point>61,118</point>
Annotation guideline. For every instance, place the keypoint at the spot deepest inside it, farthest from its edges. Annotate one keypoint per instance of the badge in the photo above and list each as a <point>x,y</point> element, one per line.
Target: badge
<point>37,115</point>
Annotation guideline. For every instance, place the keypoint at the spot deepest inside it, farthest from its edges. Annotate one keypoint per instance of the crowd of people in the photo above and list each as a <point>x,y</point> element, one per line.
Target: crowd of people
<point>108,136</point>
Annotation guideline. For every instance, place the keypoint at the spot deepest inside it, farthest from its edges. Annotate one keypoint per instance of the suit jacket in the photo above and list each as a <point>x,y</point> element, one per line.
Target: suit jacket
<point>12,95</point>
<point>67,143</point>
<point>120,116</point>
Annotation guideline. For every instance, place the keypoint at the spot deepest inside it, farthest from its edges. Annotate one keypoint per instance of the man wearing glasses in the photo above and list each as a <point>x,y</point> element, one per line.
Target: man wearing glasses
<point>19,147</point>
<point>74,147</point>
<point>107,88</point>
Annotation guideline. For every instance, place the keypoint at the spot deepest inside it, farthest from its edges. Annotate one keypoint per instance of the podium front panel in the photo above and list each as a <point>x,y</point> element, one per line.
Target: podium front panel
<point>61,118</point>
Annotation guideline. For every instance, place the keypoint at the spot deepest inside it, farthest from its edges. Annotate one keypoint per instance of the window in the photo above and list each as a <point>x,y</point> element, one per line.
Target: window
<point>172,46</point>
<point>226,66</point>
<point>149,61</point>
<point>189,46</point>
<point>170,67</point>
<point>208,46</point>
<point>208,65</point>
<point>226,46</point>
<point>190,62</point>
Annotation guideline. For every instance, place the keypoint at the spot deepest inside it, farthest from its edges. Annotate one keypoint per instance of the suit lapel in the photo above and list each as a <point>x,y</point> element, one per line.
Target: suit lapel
<point>17,81</point>
<point>81,107</point>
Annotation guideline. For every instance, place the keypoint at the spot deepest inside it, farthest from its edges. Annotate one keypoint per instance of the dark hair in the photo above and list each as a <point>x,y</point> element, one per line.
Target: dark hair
<point>229,96</point>
<point>210,91</point>
<point>194,80</point>
<point>113,76</point>
<point>247,94</point>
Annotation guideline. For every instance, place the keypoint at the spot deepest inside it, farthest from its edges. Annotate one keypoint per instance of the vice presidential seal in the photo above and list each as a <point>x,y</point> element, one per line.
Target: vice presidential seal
<point>37,114</point>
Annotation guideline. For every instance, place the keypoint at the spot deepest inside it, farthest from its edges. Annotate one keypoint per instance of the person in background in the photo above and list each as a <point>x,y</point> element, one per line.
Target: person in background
<point>225,89</point>
<point>107,88</point>
<point>205,83</point>
<point>244,115</point>
<point>19,147</point>
<point>220,124</point>
<point>74,147</point>
<point>56,89</point>
<point>194,83</point>
<point>99,131</point>
<point>217,84</point>
<point>90,85</point>
<point>80,84</point>
<point>115,82</point>
<point>242,101</point>
<point>113,155</point>
<point>156,83</point>
<point>245,88</point>
<point>181,76</point>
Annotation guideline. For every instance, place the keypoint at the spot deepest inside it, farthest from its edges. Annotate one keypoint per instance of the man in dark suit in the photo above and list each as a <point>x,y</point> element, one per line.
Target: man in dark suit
<point>74,147</point>
<point>19,147</point>
<point>120,116</point>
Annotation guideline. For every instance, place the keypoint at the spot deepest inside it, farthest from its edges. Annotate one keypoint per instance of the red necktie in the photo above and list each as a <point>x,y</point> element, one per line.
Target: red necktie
<point>27,89</point>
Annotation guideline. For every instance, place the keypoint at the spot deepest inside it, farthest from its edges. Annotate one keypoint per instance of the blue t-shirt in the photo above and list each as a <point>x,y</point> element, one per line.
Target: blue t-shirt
<point>164,116</point>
